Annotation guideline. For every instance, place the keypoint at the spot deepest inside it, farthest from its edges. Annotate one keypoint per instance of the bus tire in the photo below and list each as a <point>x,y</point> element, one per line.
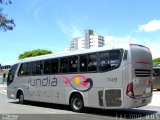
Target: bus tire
<point>77,103</point>
<point>21,98</point>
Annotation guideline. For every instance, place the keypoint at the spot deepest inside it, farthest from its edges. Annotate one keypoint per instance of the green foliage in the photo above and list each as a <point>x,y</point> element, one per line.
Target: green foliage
<point>5,23</point>
<point>156,61</point>
<point>33,53</point>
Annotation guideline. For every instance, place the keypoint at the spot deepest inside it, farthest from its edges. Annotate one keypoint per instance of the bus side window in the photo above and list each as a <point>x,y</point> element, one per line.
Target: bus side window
<point>47,67</point>
<point>92,62</point>
<point>83,63</point>
<point>64,65</point>
<point>125,55</point>
<point>23,71</point>
<point>39,67</point>
<point>73,64</point>
<point>12,72</point>
<point>114,57</point>
<point>54,66</point>
<point>104,61</point>
<point>32,68</point>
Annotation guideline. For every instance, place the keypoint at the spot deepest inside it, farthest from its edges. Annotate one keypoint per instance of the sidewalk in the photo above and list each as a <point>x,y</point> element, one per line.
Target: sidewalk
<point>3,88</point>
<point>155,99</point>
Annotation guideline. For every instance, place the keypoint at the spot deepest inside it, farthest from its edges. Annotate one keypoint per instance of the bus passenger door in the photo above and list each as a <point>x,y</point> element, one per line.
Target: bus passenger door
<point>12,83</point>
<point>12,86</point>
<point>23,85</point>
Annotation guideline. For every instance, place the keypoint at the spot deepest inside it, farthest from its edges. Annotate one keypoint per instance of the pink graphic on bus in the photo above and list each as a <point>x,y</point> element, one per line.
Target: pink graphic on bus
<point>78,82</point>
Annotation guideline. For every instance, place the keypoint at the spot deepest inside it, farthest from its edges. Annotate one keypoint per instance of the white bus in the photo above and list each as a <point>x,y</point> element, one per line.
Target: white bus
<point>117,78</point>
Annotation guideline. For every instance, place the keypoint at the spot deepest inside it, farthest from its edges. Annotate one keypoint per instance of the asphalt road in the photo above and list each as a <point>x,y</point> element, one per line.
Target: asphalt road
<point>11,110</point>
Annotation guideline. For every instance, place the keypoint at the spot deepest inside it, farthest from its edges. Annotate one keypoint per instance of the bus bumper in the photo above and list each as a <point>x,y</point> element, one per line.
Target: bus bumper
<point>11,95</point>
<point>137,102</point>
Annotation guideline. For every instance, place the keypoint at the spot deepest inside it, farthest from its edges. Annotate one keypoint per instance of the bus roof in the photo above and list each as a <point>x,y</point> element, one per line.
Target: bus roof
<point>76,52</point>
<point>69,53</point>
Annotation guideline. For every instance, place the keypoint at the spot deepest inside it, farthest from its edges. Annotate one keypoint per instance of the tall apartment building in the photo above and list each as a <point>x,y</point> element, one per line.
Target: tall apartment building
<point>74,44</point>
<point>89,41</point>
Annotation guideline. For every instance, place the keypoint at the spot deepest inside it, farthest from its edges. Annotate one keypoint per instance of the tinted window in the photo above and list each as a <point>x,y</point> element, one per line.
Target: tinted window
<point>73,64</point>
<point>115,58</point>
<point>12,72</point>
<point>64,65</point>
<point>54,66</point>
<point>39,67</point>
<point>47,67</point>
<point>109,60</point>
<point>104,61</point>
<point>32,68</point>
<point>156,71</point>
<point>23,69</point>
<point>92,62</point>
<point>83,63</point>
<point>125,55</point>
<point>13,69</point>
<point>88,63</point>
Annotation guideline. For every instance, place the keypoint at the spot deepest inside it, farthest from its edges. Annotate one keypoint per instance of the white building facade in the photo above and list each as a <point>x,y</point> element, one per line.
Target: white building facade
<point>90,41</point>
<point>96,41</point>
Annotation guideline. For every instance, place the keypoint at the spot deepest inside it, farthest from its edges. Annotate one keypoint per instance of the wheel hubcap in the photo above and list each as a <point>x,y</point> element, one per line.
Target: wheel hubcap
<point>21,98</point>
<point>76,103</point>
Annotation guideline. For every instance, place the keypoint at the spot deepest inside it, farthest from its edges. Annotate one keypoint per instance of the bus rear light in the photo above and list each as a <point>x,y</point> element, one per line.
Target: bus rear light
<point>129,91</point>
<point>143,62</point>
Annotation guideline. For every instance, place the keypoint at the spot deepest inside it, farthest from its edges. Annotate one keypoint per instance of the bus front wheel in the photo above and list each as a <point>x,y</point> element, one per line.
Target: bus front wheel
<point>21,98</point>
<point>77,104</point>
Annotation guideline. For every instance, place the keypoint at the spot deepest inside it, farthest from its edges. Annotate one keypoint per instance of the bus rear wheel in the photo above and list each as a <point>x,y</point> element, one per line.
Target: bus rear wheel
<point>21,98</point>
<point>77,104</point>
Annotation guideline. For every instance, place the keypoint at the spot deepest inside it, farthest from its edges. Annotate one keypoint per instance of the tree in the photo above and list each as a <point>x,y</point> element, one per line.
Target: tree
<point>156,61</point>
<point>5,23</point>
<point>33,53</point>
